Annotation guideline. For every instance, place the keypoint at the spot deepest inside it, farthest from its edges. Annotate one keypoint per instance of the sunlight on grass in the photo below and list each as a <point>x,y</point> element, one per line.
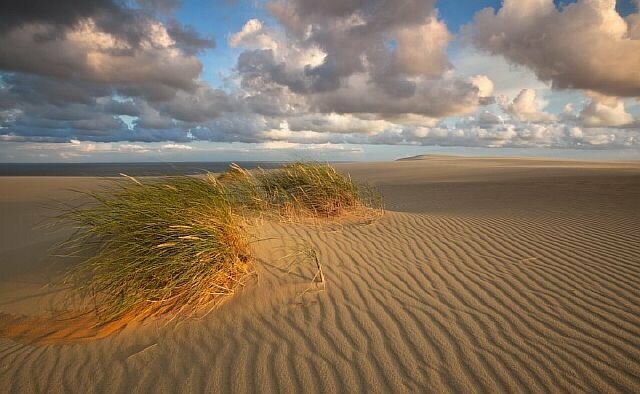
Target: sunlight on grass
<point>178,244</point>
<point>301,191</point>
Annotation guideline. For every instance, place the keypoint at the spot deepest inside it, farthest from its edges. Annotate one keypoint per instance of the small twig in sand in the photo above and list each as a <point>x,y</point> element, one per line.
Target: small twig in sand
<point>306,253</point>
<point>312,254</point>
<point>143,350</point>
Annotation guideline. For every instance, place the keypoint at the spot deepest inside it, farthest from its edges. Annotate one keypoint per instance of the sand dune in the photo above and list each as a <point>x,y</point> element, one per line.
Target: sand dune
<point>486,275</point>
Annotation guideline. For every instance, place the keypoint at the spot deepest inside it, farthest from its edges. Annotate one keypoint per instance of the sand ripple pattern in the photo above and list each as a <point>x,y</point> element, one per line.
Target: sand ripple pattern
<point>413,303</point>
<point>540,302</point>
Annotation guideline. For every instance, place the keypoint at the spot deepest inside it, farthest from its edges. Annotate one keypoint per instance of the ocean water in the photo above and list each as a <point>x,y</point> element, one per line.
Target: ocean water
<point>115,169</point>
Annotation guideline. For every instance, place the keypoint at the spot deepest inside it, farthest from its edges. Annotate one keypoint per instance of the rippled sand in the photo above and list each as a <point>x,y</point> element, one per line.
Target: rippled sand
<point>488,275</point>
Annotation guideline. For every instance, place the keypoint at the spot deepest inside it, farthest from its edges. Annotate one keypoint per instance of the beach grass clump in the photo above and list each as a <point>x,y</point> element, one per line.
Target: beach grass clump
<point>301,190</point>
<point>243,189</point>
<point>313,189</point>
<point>159,247</point>
<point>178,244</point>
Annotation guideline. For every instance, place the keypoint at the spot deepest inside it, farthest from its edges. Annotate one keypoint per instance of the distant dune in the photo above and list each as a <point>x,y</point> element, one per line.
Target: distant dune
<point>486,274</point>
<point>520,161</point>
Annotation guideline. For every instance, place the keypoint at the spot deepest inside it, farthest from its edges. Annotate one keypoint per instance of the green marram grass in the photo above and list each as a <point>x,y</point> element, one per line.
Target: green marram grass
<point>301,190</point>
<point>158,247</point>
<point>314,190</point>
<point>179,244</point>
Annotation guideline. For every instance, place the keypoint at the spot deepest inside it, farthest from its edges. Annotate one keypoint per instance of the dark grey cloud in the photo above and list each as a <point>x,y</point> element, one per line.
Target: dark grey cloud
<point>88,54</point>
<point>71,69</point>
<point>197,107</point>
<point>63,14</point>
<point>26,110</point>
<point>99,40</point>
<point>355,35</point>
<point>188,39</point>
<point>116,17</point>
<point>37,90</point>
<point>433,98</point>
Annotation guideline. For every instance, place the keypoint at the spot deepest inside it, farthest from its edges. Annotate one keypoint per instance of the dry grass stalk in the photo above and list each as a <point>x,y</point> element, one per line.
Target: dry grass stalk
<point>304,254</point>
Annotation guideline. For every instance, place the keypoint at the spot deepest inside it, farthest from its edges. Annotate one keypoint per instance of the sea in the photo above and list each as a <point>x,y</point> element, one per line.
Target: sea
<point>131,169</point>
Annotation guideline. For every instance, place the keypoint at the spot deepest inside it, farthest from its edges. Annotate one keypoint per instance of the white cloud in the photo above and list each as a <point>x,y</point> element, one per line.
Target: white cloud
<point>484,84</point>
<point>527,108</point>
<point>584,45</point>
<point>253,35</point>
<point>133,148</point>
<point>178,147</point>
<point>605,111</point>
<point>508,80</point>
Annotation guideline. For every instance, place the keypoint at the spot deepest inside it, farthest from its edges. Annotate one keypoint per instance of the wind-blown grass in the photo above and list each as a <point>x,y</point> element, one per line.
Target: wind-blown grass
<point>159,247</point>
<point>302,190</point>
<point>178,244</point>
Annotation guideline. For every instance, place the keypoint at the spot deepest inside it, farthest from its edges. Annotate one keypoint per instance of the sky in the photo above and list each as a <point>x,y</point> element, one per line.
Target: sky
<point>200,80</point>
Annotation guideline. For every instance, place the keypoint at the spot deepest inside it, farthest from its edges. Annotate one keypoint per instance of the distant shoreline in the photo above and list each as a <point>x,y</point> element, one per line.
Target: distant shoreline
<point>133,169</point>
<point>195,168</point>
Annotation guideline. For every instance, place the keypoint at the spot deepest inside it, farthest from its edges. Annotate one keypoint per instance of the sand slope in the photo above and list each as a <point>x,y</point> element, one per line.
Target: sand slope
<point>487,275</point>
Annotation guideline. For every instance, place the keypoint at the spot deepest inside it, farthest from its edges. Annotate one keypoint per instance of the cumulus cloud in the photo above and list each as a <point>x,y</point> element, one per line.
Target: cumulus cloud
<point>114,17</point>
<point>379,57</point>
<point>155,69</point>
<point>527,108</point>
<point>583,45</point>
<point>483,131</point>
<point>57,14</point>
<point>319,76</point>
<point>605,111</point>
<point>254,35</point>
<point>65,63</point>
<point>484,84</point>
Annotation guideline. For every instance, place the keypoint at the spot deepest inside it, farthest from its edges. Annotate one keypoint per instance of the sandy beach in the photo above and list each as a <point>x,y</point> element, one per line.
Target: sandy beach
<point>484,275</point>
